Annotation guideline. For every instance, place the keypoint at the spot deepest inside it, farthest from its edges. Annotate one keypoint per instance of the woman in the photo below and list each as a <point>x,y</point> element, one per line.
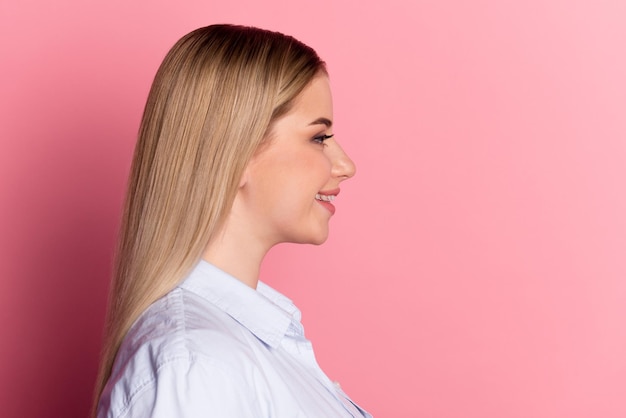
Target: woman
<point>235,154</point>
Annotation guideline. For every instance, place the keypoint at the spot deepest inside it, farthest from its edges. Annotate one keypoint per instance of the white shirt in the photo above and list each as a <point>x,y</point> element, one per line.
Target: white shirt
<point>214,347</point>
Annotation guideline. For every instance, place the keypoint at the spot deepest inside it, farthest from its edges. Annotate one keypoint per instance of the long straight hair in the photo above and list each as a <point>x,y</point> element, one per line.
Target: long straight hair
<point>212,103</point>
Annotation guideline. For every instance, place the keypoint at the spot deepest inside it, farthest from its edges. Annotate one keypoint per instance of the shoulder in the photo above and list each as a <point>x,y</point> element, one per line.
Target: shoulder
<point>181,387</point>
<point>184,326</point>
<point>183,357</point>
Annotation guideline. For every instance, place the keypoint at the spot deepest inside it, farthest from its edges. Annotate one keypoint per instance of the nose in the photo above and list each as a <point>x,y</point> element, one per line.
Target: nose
<point>342,166</point>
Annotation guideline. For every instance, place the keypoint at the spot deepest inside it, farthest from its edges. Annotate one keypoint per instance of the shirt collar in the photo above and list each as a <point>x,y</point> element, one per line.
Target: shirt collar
<point>264,312</point>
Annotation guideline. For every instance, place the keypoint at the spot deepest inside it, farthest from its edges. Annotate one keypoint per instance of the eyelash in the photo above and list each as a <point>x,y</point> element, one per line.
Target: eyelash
<point>321,138</point>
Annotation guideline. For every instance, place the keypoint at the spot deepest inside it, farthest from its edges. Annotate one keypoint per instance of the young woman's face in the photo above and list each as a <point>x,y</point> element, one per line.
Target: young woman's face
<point>290,182</point>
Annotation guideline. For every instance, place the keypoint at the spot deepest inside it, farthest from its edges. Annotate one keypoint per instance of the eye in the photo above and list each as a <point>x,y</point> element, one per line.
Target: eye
<point>321,138</point>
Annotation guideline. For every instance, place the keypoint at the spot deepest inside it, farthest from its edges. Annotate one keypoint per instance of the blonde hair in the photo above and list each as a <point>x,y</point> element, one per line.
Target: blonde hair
<point>211,105</point>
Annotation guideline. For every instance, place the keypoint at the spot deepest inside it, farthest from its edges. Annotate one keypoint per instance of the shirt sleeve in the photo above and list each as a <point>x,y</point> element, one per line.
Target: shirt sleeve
<point>193,389</point>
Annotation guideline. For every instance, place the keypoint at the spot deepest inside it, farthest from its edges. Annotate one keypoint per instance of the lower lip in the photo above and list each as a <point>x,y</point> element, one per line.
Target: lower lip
<point>327,205</point>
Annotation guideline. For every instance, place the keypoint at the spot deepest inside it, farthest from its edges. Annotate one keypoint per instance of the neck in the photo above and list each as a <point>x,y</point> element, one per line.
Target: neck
<point>234,251</point>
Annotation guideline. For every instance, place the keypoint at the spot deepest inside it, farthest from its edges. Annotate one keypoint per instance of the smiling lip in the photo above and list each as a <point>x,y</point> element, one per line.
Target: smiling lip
<point>327,204</point>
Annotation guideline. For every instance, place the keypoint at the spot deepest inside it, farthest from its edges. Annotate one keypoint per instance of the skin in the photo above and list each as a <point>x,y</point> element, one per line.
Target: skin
<point>275,201</point>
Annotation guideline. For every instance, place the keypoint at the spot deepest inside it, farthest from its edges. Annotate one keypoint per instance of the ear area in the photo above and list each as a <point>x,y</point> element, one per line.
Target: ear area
<point>244,177</point>
<point>247,174</point>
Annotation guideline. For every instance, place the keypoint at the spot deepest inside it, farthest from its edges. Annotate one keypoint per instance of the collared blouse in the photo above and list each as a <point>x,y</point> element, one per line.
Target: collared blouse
<point>214,347</point>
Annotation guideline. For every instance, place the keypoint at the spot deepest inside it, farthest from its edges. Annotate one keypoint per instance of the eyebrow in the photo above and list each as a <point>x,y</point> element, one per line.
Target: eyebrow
<point>322,121</point>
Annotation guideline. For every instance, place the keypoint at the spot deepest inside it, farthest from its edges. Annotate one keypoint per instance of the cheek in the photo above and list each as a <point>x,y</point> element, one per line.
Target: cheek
<point>316,167</point>
<point>291,176</point>
<point>308,170</point>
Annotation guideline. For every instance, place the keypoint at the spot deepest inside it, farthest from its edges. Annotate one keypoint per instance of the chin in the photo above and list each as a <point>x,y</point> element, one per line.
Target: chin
<point>319,236</point>
<point>313,239</point>
<point>319,241</point>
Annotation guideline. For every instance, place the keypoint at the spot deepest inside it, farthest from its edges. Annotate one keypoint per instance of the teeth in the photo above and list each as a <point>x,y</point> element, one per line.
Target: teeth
<point>325,198</point>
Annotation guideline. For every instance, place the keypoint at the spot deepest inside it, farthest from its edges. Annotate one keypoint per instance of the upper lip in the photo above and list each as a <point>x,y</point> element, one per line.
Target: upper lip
<point>333,192</point>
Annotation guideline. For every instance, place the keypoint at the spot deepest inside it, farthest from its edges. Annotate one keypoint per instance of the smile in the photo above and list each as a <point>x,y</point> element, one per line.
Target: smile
<point>325,198</point>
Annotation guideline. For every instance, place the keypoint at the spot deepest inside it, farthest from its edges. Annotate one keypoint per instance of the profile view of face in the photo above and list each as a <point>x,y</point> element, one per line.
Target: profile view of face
<point>292,180</point>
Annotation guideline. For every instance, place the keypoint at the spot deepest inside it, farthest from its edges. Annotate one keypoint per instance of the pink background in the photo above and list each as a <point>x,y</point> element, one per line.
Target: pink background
<point>477,262</point>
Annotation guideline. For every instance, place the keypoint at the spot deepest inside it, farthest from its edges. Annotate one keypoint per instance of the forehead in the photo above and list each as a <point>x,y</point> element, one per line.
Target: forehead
<point>314,102</point>
<point>313,105</point>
